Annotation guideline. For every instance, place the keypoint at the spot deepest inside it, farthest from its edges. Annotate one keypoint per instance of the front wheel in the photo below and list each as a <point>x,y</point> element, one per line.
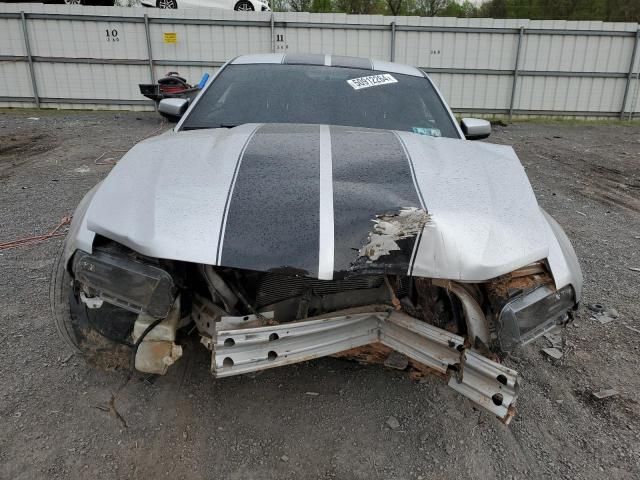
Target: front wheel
<point>73,2</point>
<point>171,4</point>
<point>244,6</point>
<point>100,335</point>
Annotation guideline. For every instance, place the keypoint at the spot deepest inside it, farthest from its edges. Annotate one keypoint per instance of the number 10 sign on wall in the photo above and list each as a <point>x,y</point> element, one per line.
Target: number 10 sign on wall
<point>112,35</point>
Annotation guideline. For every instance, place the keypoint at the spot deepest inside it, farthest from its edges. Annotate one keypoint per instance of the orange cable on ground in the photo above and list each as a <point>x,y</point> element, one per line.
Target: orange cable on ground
<point>38,238</point>
<point>67,220</point>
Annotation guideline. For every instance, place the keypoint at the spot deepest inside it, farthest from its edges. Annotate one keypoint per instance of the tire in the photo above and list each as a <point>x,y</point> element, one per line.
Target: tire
<point>244,6</point>
<point>76,323</point>
<point>167,4</point>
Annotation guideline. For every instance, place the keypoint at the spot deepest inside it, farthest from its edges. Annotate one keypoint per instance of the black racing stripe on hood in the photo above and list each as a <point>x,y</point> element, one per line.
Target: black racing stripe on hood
<point>372,175</point>
<point>273,217</point>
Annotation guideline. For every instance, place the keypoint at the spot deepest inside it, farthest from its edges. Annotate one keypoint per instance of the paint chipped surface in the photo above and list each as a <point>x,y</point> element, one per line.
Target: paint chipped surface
<point>389,228</point>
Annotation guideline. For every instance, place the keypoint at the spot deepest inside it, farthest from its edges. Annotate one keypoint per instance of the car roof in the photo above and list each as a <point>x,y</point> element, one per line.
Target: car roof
<point>327,60</point>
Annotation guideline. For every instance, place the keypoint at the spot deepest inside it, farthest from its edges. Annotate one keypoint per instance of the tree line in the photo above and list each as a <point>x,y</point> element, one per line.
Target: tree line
<point>605,10</point>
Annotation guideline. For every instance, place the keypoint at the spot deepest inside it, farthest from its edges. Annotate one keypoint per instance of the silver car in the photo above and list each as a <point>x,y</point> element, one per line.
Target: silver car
<point>313,205</point>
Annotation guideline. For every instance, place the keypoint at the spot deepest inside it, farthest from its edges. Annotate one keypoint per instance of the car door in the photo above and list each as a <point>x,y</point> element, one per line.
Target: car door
<point>224,4</point>
<point>191,3</point>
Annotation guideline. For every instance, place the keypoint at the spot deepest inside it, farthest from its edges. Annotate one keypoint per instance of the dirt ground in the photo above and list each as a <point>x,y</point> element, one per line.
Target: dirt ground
<point>57,416</point>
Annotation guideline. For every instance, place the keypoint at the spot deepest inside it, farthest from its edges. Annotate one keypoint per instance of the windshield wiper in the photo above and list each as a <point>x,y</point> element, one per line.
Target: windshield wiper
<point>219,125</point>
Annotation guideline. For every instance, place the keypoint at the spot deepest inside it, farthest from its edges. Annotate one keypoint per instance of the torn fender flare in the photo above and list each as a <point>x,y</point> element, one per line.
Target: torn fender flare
<point>243,350</point>
<point>476,322</point>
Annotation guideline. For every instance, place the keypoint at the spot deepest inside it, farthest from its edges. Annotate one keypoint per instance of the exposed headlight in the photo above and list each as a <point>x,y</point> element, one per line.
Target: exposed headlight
<point>135,286</point>
<point>528,316</point>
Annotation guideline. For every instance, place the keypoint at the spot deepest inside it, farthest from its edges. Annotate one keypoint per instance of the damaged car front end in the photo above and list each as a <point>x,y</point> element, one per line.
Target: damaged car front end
<point>281,242</point>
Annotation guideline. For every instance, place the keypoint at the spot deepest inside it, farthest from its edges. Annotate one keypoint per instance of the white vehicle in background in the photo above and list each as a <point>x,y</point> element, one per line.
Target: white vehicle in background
<point>240,5</point>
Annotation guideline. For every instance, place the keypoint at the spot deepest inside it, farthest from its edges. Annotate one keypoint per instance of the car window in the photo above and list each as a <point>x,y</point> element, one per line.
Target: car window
<point>268,93</point>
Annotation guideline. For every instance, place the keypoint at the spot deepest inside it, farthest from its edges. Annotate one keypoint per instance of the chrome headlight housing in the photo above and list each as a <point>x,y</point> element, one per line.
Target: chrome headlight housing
<point>528,316</point>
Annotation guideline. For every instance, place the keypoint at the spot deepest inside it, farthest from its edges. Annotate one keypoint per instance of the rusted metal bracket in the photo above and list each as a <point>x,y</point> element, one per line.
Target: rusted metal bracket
<point>242,350</point>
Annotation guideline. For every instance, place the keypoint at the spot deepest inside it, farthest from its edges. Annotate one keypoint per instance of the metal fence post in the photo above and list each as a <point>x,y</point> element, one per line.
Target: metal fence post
<point>393,41</point>
<point>630,74</point>
<point>273,38</point>
<point>515,73</point>
<point>149,54</point>
<point>27,47</point>
<point>634,99</point>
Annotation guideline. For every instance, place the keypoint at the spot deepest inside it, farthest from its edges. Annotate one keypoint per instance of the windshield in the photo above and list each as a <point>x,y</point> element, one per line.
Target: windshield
<point>268,93</point>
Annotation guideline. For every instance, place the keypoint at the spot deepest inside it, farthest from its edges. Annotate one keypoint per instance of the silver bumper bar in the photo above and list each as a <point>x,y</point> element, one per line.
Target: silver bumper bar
<point>239,350</point>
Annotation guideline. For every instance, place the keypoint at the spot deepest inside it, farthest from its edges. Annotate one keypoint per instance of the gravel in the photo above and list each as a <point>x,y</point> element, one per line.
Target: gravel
<point>62,419</point>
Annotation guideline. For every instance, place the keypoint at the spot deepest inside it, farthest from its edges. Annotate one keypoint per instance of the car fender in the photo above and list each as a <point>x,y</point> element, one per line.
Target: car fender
<point>79,236</point>
<point>562,258</point>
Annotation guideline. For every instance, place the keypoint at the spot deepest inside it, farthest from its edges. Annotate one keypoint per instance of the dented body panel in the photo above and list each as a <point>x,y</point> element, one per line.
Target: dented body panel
<point>480,225</point>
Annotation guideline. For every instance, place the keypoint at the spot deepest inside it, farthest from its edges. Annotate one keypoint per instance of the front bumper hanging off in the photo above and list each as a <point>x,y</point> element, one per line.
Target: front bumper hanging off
<point>238,350</point>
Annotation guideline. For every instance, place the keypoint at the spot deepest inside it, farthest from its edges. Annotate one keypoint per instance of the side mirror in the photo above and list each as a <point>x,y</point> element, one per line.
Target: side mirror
<point>173,108</point>
<point>475,128</point>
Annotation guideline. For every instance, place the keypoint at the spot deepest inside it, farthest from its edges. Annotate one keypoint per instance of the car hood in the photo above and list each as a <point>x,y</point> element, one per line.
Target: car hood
<point>324,201</point>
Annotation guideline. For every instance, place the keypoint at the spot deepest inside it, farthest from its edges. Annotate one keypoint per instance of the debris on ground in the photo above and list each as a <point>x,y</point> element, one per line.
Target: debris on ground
<point>612,312</point>
<point>603,318</point>
<point>602,314</point>
<point>396,360</point>
<point>67,358</point>
<point>596,307</point>
<point>378,354</point>
<point>312,394</point>
<point>634,269</point>
<point>632,329</point>
<point>284,458</point>
<point>393,423</point>
<point>113,411</point>
<point>609,392</point>
<point>607,316</point>
<point>554,337</point>
<point>553,352</point>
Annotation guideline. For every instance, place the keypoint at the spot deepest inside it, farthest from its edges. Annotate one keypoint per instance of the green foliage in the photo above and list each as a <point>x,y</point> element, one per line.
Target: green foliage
<point>300,5</point>
<point>321,6</point>
<point>605,10</point>
<point>461,10</point>
<point>279,5</point>
<point>358,6</point>
<point>396,7</point>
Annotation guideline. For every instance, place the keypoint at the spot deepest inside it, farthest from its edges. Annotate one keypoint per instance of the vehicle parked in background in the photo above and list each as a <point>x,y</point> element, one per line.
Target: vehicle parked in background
<point>311,205</point>
<point>240,5</point>
<point>67,2</point>
<point>84,2</point>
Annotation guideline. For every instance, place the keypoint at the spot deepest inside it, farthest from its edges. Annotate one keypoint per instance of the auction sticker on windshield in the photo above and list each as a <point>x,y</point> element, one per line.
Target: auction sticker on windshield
<point>371,81</point>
